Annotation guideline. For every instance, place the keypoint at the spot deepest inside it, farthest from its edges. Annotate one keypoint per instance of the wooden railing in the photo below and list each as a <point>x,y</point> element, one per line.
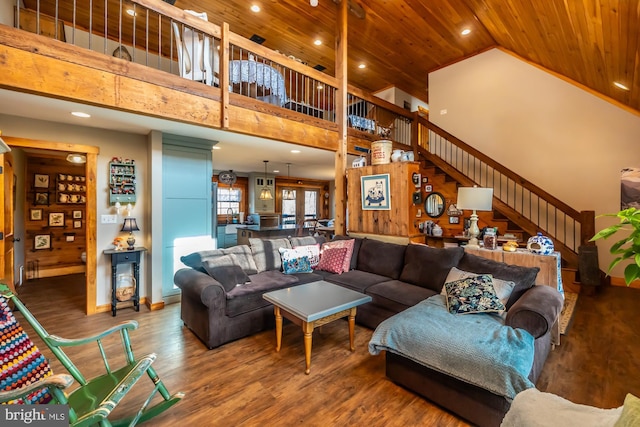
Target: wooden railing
<point>157,35</point>
<point>522,202</point>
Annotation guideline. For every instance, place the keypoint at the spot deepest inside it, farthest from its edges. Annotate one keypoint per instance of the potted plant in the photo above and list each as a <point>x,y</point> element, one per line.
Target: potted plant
<point>627,248</point>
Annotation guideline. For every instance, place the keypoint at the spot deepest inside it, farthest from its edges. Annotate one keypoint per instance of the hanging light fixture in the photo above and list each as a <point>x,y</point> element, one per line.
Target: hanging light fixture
<point>265,193</point>
<point>288,194</point>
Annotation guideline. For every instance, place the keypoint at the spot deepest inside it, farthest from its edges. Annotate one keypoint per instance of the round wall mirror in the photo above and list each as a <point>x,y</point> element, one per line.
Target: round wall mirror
<point>434,205</point>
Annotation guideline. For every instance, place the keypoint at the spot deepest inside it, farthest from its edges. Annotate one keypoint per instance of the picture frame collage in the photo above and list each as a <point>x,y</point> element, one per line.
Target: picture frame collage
<point>55,217</point>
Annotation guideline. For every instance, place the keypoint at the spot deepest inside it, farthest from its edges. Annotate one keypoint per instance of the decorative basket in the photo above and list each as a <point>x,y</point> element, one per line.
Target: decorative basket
<point>125,287</point>
<point>124,293</point>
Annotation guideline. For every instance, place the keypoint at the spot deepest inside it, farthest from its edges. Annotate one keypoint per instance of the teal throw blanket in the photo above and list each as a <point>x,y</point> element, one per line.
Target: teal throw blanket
<point>476,348</point>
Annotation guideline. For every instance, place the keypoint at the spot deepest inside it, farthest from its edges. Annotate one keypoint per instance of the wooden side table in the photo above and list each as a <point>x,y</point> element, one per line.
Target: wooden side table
<point>132,257</point>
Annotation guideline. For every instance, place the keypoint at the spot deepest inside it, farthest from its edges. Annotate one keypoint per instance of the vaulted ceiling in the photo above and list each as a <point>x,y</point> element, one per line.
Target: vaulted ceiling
<point>592,42</point>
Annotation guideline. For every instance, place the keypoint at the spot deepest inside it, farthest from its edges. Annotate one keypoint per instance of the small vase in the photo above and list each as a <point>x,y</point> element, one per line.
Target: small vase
<point>396,155</point>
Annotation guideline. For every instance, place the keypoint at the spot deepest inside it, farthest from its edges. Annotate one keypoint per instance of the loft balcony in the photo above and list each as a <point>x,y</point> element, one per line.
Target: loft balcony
<point>150,58</point>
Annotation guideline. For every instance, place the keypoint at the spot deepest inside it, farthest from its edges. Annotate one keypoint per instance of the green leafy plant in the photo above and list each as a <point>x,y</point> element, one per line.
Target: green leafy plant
<point>629,247</point>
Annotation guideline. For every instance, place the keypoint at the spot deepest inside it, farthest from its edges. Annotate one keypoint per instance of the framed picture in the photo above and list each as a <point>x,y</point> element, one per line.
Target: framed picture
<point>428,188</point>
<point>77,224</point>
<point>77,214</point>
<point>70,237</point>
<point>41,198</point>
<point>56,219</point>
<point>35,214</point>
<point>454,220</point>
<point>41,181</point>
<point>375,192</point>
<point>42,241</point>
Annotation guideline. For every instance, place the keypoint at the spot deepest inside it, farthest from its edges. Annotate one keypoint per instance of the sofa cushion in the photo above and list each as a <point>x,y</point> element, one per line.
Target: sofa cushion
<point>228,275</point>
<point>332,260</point>
<point>295,261</point>
<point>473,295</point>
<point>428,267</point>
<point>357,244</point>
<point>307,240</point>
<point>246,298</point>
<point>266,253</point>
<point>523,277</point>
<point>356,280</point>
<point>347,244</point>
<point>384,259</point>
<point>397,296</point>
<point>243,252</point>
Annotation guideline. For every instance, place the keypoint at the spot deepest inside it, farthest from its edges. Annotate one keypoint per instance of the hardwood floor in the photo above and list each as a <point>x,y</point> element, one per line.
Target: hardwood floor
<point>247,383</point>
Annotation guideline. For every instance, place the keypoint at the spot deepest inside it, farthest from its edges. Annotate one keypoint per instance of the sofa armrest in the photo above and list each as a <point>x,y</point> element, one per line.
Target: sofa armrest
<point>197,285</point>
<point>536,311</point>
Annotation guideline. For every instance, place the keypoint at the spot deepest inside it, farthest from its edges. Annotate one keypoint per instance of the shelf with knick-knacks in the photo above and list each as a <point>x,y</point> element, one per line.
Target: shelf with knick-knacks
<point>122,181</point>
<point>70,189</point>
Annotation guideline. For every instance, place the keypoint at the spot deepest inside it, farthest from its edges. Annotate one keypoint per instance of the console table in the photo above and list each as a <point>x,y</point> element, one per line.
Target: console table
<point>550,273</point>
<point>132,257</point>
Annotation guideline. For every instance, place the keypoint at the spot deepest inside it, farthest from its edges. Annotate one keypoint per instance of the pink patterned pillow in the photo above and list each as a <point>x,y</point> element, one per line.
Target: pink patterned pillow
<point>332,260</point>
<point>347,244</point>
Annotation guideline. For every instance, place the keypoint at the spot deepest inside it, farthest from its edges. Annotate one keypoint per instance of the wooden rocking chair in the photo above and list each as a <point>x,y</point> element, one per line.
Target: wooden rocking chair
<point>29,379</point>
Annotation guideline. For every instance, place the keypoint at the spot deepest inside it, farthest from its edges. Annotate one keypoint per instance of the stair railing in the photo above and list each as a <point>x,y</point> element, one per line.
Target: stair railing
<point>522,202</point>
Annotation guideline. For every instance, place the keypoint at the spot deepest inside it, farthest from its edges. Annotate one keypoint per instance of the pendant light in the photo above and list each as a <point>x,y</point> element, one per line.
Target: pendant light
<point>288,194</point>
<point>265,193</point>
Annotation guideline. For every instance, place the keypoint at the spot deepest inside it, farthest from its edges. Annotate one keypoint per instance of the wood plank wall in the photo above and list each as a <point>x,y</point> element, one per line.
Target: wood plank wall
<point>68,240</point>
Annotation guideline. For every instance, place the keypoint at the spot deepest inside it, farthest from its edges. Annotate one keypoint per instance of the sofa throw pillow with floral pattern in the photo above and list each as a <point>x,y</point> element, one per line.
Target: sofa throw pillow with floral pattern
<point>312,251</point>
<point>332,260</point>
<point>294,261</point>
<point>503,288</point>
<point>473,295</point>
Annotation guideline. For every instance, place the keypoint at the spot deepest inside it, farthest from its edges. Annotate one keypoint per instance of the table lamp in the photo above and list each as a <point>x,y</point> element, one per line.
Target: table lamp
<point>130,225</point>
<point>476,199</point>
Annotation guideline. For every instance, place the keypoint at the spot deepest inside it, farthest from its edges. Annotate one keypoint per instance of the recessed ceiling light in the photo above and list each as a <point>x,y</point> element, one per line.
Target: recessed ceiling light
<point>362,66</point>
<point>276,171</point>
<point>295,151</point>
<point>131,12</point>
<point>76,158</point>
<point>465,32</point>
<point>620,86</point>
<point>80,114</point>
<point>215,147</point>
<point>255,8</point>
<point>317,42</point>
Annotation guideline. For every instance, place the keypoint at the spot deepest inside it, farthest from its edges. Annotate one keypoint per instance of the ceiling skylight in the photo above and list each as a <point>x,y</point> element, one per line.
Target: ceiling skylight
<point>620,86</point>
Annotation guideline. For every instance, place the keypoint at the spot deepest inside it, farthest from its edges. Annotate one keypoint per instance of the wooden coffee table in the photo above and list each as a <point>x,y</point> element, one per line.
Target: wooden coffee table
<point>312,305</point>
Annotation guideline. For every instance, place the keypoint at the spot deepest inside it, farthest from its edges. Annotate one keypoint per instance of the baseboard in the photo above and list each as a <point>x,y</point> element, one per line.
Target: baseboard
<point>154,306</point>
<point>619,281</point>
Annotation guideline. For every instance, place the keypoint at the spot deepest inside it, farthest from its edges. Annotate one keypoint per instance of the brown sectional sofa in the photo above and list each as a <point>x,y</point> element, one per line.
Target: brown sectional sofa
<point>396,277</point>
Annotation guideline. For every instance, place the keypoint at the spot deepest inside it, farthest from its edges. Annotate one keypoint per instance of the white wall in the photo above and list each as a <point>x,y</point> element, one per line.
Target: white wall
<point>398,97</point>
<point>111,144</point>
<point>560,137</point>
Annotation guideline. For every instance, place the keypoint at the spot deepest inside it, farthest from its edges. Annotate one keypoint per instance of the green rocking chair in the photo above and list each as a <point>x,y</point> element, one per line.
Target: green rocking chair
<point>26,377</point>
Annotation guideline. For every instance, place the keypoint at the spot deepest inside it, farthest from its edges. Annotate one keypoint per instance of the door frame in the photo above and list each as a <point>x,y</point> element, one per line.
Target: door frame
<point>91,212</point>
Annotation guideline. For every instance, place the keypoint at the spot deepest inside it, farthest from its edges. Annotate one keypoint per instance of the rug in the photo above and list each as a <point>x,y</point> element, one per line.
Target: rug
<point>570,299</point>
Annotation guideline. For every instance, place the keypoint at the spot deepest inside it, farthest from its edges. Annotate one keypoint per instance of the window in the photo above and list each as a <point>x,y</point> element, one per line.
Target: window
<point>299,209</point>
<point>229,198</point>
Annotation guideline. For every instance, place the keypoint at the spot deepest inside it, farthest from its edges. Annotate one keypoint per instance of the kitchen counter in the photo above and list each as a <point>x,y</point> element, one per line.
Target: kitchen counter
<point>246,232</point>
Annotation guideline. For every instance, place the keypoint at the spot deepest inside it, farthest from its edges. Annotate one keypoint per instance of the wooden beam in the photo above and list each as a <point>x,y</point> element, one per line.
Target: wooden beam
<point>340,193</point>
<point>224,76</point>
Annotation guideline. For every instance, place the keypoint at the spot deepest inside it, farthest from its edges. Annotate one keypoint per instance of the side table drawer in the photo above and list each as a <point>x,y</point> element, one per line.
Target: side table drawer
<point>126,257</point>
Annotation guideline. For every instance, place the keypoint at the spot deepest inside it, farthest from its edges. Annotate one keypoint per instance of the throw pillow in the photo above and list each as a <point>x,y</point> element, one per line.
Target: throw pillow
<point>229,275</point>
<point>348,245</point>
<point>312,252</point>
<point>332,260</point>
<point>503,288</point>
<point>472,295</point>
<point>266,253</point>
<point>630,412</point>
<point>295,261</point>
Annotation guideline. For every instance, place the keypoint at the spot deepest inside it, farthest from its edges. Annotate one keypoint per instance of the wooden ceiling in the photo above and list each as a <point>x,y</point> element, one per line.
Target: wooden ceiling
<point>593,42</point>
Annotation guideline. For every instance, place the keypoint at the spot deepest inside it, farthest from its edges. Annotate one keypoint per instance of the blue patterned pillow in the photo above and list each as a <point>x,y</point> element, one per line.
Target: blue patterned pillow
<point>294,261</point>
<point>473,295</point>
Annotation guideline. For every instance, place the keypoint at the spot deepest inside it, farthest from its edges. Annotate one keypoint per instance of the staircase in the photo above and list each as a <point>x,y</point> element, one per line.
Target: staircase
<point>519,207</point>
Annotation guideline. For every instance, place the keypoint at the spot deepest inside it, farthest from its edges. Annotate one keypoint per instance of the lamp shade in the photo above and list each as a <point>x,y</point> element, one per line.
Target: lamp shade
<point>129,225</point>
<point>475,198</point>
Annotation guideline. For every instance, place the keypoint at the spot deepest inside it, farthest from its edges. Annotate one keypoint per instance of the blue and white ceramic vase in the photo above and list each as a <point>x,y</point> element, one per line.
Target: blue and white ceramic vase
<point>539,244</point>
